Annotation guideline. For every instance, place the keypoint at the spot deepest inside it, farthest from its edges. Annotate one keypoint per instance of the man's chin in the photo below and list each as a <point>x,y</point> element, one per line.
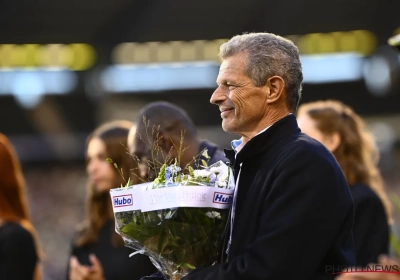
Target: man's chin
<point>227,127</point>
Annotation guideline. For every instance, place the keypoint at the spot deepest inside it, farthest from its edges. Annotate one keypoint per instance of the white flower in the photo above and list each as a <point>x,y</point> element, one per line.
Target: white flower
<point>223,180</point>
<point>169,215</point>
<point>213,214</point>
<point>222,169</point>
<point>201,173</point>
<point>223,177</point>
<point>221,184</point>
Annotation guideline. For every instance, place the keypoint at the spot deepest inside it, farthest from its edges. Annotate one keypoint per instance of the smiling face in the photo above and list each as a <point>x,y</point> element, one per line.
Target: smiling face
<point>101,173</point>
<point>243,105</point>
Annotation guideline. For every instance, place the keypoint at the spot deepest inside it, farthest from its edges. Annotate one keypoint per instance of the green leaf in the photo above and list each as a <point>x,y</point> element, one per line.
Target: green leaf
<point>187,265</point>
<point>187,213</point>
<point>191,171</point>
<point>395,244</point>
<point>134,230</point>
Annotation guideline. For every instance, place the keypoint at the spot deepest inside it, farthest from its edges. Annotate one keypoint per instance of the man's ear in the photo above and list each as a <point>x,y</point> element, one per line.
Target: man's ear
<point>275,86</point>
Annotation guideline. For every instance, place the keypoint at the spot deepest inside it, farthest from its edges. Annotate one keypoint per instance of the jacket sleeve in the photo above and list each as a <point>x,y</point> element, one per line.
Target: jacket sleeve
<point>304,214</point>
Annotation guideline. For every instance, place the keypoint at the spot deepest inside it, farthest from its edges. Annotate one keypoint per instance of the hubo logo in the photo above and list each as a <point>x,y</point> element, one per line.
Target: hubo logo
<point>123,200</point>
<point>222,198</point>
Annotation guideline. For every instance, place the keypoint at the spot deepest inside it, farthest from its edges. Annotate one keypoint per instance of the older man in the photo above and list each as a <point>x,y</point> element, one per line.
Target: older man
<point>292,213</point>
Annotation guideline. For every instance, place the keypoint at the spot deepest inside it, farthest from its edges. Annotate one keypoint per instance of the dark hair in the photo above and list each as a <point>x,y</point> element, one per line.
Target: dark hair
<point>168,116</point>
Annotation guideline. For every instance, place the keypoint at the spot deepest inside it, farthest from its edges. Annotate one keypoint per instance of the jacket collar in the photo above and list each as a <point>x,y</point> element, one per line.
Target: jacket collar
<point>263,141</point>
<point>230,155</point>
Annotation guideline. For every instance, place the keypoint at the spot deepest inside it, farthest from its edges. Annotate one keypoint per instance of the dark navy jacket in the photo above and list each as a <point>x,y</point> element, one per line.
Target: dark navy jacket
<point>294,211</point>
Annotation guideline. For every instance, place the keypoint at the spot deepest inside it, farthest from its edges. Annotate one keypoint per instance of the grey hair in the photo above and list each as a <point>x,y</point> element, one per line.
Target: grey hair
<point>269,55</point>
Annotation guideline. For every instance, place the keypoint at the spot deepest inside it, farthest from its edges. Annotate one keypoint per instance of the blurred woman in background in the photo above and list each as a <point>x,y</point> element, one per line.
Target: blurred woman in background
<point>19,250</point>
<point>98,252</point>
<point>343,132</point>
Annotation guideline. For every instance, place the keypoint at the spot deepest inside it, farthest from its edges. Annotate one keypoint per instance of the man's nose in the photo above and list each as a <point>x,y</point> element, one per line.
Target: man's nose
<point>218,96</point>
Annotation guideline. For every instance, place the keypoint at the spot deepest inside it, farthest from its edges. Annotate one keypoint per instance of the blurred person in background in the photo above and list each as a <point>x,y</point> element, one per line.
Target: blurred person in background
<point>386,261</point>
<point>19,247</point>
<point>172,122</point>
<point>343,133</point>
<point>98,252</point>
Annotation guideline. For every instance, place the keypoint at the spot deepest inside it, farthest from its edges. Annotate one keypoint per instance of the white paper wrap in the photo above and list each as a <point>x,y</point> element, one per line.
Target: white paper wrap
<point>186,196</point>
<point>143,197</point>
<point>138,198</point>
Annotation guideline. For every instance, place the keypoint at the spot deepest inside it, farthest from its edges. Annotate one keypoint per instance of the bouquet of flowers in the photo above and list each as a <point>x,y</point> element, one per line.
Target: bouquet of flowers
<point>178,219</point>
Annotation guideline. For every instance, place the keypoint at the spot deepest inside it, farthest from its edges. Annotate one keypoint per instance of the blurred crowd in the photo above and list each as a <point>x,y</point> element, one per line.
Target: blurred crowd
<point>57,196</point>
